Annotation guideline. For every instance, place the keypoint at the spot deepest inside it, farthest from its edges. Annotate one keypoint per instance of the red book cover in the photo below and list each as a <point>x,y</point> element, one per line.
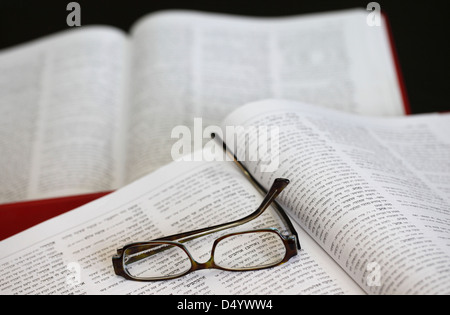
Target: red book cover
<point>17,217</point>
<point>400,78</point>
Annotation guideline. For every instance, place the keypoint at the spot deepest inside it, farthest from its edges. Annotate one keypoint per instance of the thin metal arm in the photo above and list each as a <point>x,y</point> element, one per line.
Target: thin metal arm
<point>278,186</point>
<point>258,186</point>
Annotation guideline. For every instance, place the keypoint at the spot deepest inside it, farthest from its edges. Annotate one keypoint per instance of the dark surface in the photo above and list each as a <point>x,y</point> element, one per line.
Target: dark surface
<point>420,28</point>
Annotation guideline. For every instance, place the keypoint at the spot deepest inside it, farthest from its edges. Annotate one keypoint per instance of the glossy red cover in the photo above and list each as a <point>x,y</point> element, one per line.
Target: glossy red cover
<point>400,78</point>
<point>17,217</point>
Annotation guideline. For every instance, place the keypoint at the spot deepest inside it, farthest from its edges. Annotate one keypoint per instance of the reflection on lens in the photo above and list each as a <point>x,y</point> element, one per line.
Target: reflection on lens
<point>156,261</point>
<point>254,250</point>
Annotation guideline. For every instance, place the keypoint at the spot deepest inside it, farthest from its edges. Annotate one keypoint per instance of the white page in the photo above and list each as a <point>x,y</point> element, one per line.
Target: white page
<point>61,114</point>
<point>176,198</point>
<point>372,192</point>
<point>188,65</point>
<point>318,254</point>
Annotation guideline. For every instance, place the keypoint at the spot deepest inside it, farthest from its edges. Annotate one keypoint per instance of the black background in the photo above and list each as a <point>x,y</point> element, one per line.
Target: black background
<point>420,29</point>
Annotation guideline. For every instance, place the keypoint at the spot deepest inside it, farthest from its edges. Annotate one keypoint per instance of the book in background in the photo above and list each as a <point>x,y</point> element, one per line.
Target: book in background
<point>93,109</point>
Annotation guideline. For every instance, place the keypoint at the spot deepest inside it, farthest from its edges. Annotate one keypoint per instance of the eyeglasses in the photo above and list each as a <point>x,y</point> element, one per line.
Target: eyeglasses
<point>168,258</point>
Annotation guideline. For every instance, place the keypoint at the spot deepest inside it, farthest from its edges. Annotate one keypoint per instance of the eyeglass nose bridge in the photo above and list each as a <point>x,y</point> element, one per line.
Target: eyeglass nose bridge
<point>195,265</point>
<point>206,265</point>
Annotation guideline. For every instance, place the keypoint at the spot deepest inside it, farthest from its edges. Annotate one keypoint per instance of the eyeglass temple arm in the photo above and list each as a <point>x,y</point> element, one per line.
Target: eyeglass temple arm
<point>278,186</point>
<point>258,186</point>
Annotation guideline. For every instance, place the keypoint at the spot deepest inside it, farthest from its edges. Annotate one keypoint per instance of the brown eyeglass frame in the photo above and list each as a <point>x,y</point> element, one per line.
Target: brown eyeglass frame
<point>290,242</point>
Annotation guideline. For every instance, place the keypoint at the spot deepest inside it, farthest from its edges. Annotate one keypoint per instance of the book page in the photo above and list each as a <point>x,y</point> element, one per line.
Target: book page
<point>61,114</point>
<point>188,65</point>
<point>72,253</point>
<point>374,193</point>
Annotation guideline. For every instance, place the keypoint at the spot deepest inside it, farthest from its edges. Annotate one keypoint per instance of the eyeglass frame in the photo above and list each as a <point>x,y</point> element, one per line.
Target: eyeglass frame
<point>290,242</point>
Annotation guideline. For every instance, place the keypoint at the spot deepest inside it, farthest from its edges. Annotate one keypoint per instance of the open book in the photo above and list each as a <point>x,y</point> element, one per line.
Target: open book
<point>370,196</point>
<point>93,109</point>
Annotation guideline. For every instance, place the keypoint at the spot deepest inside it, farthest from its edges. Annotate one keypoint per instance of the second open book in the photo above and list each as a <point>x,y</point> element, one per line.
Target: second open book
<point>92,110</point>
<point>371,195</point>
